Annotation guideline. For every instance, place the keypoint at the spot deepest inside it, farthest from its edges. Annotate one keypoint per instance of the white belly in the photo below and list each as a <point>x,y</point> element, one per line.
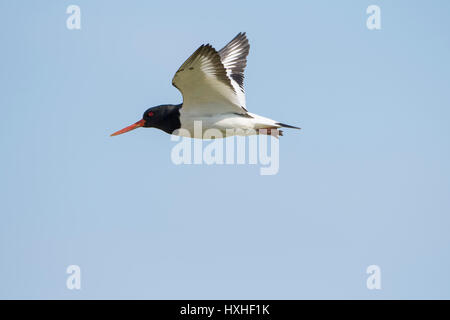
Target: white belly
<point>227,123</point>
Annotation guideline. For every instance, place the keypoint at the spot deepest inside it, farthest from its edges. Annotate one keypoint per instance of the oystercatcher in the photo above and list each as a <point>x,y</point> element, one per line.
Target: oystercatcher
<point>212,85</point>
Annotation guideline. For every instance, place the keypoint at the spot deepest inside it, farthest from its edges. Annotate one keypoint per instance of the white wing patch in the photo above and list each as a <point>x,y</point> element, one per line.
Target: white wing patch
<point>205,85</point>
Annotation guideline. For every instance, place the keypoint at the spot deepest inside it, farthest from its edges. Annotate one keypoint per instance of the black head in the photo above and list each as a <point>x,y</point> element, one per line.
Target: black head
<point>165,117</point>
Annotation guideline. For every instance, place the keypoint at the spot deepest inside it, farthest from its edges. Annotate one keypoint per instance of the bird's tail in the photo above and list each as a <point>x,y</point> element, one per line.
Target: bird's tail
<point>287,126</point>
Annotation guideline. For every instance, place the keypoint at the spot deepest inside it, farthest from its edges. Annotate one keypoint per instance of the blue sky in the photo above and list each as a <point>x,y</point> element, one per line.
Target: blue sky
<point>366,181</point>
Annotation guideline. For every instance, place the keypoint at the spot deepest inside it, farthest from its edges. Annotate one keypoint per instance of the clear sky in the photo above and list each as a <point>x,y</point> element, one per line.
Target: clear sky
<point>366,181</point>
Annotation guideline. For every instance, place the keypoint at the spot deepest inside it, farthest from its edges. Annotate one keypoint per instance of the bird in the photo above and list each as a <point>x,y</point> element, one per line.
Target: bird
<point>212,85</point>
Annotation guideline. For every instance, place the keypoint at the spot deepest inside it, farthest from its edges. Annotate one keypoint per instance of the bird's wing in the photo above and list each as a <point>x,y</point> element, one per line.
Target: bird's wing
<point>205,85</point>
<point>234,59</point>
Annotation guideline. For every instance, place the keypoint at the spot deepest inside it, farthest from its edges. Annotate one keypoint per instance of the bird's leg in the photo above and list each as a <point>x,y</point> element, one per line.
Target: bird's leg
<point>270,132</point>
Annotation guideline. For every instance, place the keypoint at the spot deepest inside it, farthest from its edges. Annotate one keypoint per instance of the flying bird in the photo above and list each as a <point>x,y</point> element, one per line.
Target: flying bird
<point>212,85</point>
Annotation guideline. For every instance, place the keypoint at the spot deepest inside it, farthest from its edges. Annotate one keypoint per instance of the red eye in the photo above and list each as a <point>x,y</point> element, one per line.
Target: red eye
<point>150,114</point>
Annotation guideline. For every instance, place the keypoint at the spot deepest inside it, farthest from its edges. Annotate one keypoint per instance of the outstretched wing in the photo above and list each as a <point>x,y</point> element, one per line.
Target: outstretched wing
<point>205,85</point>
<point>234,58</point>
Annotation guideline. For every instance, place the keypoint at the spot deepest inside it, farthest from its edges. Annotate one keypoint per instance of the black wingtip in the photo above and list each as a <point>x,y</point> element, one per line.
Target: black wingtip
<point>287,126</point>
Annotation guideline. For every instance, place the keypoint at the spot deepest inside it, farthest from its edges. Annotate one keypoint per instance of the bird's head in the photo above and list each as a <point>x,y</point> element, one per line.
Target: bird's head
<point>156,117</point>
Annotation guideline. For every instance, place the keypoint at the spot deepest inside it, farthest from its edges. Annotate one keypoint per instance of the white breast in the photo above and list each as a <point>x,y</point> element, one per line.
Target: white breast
<point>240,125</point>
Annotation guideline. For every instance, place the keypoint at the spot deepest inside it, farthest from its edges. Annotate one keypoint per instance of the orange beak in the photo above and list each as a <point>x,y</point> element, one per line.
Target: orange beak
<point>136,125</point>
